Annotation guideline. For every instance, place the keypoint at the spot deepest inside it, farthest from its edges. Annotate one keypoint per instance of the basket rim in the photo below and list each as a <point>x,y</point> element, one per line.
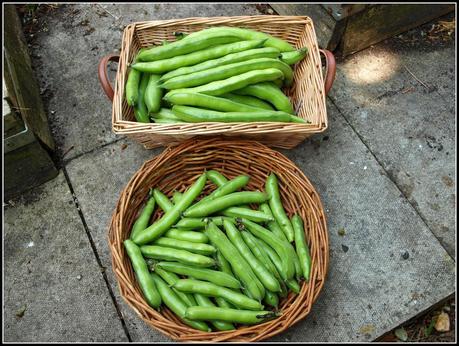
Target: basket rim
<point>306,288</point>
<point>219,127</point>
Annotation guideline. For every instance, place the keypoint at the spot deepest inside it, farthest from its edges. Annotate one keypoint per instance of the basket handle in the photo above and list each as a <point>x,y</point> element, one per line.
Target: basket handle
<point>330,69</point>
<point>103,75</point>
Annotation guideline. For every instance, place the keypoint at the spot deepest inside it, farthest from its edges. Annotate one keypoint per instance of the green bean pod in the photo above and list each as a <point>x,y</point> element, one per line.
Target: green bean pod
<point>193,58</point>
<point>248,100</point>
<point>239,266</point>
<point>209,102</point>
<point>132,87</point>
<point>273,226</point>
<point>245,34</point>
<point>164,203</point>
<point>198,248</point>
<point>268,92</point>
<point>153,94</point>
<point>182,256</point>
<point>216,277</point>
<point>197,313</point>
<point>262,273</point>
<point>189,236</point>
<point>249,214</point>
<point>176,196</point>
<point>210,289</point>
<point>292,58</point>
<point>171,279</point>
<point>204,301</point>
<point>227,71</point>
<point>271,299</point>
<point>275,203</point>
<point>198,222</point>
<point>293,285</point>
<point>223,264</point>
<point>223,202</point>
<point>140,108</point>
<point>216,177</point>
<point>227,85</point>
<point>230,186</point>
<point>158,228</point>
<point>147,285</point>
<point>252,243</point>
<point>142,221</point>
<point>267,52</point>
<point>288,267</point>
<point>197,115</point>
<point>221,302</point>
<point>302,249</point>
<point>173,302</point>
<point>184,46</point>
<point>164,114</point>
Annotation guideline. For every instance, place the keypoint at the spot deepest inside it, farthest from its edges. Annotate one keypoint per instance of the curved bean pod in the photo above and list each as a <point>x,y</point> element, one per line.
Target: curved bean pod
<point>224,202</point>
<point>301,246</point>
<point>132,87</point>
<point>190,236</point>
<point>267,52</point>
<point>173,302</point>
<point>216,277</point>
<point>227,85</point>
<point>204,301</point>
<point>288,267</point>
<point>271,299</point>
<point>227,188</point>
<point>292,58</point>
<point>248,100</point>
<point>164,203</point>
<point>153,94</point>
<point>146,283</point>
<point>210,289</point>
<point>245,34</point>
<point>239,266</point>
<point>209,102</point>
<point>182,256</point>
<point>176,62</point>
<point>142,221</point>
<point>171,279</point>
<point>184,46</point>
<point>249,214</point>
<point>230,315</point>
<point>273,226</point>
<point>262,273</point>
<point>227,71</point>
<point>197,115</point>
<point>140,108</point>
<point>216,177</point>
<point>198,248</point>
<point>270,93</point>
<point>158,228</point>
<point>272,189</point>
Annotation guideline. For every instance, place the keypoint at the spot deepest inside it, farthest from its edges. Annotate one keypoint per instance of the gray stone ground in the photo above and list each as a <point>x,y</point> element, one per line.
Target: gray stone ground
<point>384,171</point>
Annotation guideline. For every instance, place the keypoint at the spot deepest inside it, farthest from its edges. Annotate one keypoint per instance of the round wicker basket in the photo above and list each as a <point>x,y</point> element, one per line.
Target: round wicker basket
<point>175,169</point>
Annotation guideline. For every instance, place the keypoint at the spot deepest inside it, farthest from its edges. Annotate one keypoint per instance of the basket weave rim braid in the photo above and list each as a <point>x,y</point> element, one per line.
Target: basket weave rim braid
<point>175,169</point>
<point>306,94</point>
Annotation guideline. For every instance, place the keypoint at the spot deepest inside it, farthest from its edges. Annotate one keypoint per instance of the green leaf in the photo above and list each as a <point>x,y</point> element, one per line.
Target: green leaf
<point>428,330</point>
<point>401,334</point>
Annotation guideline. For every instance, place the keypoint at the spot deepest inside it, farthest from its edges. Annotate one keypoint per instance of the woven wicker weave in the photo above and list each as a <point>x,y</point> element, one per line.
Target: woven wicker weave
<point>175,169</point>
<point>307,93</point>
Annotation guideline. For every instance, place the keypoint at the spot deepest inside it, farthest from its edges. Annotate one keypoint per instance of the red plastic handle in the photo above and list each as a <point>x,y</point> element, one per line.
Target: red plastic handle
<point>103,75</point>
<point>330,69</point>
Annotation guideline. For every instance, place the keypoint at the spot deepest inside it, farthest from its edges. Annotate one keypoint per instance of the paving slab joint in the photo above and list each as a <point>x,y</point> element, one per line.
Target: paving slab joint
<point>94,249</point>
<point>418,212</point>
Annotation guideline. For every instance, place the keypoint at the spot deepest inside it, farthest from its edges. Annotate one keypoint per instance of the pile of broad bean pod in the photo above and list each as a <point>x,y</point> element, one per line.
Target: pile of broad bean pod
<point>220,74</point>
<point>217,262</point>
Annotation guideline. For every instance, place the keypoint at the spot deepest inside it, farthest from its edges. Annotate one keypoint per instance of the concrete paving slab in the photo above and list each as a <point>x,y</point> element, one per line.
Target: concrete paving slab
<point>97,179</point>
<point>67,50</point>
<point>370,288</point>
<point>54,290</point>
<point>409,128</point>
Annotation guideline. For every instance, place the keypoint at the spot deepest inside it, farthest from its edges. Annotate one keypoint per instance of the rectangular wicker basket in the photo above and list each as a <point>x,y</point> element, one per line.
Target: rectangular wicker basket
<point>307,93</point>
